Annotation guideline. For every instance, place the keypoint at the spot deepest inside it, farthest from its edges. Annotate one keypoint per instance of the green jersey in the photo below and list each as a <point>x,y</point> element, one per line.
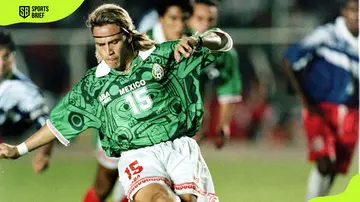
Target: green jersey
<point>228,79</point>
<point>224,75</point>
<point>157,101</point>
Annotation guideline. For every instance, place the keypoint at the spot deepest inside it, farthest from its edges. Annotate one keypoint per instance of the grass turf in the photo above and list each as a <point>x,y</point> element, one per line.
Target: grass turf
<point>248,177</point>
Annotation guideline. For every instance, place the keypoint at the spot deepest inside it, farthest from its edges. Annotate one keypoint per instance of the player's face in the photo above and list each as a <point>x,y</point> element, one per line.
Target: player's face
<point>7,57</point>
<point>204,17</point>
<point>173,23</point>
<point>350,13</point>
<point>109,44</point>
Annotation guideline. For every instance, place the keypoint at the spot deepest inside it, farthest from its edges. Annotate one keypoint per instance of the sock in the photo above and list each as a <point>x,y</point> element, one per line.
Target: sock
<point>119,192</point>
<point>124,200</point>
<point>91,196</point>
<point>318,185</point>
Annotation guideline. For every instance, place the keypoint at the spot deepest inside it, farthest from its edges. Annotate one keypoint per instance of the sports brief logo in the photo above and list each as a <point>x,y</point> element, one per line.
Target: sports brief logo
<point>35,11</point>
<point>157,72</point>
<point>24,11</point>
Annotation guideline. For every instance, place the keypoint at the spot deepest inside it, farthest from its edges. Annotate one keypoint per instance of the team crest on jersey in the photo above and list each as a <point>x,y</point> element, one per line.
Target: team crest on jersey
<point>157,72</point>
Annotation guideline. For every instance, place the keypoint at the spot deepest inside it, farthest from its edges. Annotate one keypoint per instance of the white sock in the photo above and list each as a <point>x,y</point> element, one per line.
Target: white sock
<point>118,192</point>
<point>318,185</point>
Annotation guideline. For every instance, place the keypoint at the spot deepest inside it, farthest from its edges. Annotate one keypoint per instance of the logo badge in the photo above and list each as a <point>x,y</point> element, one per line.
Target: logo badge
<point>157,72</point>
<point>24,11</point>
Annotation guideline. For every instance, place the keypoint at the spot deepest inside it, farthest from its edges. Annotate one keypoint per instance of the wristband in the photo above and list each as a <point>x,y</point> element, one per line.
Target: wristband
<point>22,149</point>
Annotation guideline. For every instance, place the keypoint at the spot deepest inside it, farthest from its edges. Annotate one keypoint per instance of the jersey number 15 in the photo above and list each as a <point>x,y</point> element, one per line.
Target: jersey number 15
<point>139,100</point>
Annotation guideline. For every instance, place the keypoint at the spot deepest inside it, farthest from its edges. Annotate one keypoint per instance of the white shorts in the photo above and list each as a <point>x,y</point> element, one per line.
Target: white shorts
<point>177,164</point>
<point>104,160</point>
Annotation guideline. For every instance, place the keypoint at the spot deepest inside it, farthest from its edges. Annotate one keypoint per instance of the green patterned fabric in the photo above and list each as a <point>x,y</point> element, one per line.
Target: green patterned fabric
<point>157,101</point>
<point>224,73</point>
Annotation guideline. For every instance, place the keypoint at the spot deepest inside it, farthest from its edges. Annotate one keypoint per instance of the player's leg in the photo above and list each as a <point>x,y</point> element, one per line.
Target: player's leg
<point>105,181</point>
<point>119,192</point>
<point>321,145</point>
<point>156,193</point>
<point>345,125</point>
<point>106,176</point>
<point>188,171</point>
<point>144,177</point>
<point>348,136</point>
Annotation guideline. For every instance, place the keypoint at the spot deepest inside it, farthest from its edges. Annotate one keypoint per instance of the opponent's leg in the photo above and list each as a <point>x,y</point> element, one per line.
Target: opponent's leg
<point>104,182</point>
<point>321,178</point>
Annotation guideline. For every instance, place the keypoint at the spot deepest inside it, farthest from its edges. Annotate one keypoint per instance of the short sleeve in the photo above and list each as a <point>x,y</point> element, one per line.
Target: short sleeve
<point>76,112</point>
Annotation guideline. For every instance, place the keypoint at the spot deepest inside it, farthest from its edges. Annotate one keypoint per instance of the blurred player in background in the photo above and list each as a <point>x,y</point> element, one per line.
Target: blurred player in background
<point>171,22</point>
<point>222,77</point>
<point>145,101</point>
<point>323,68</point>
<point>22,104</point>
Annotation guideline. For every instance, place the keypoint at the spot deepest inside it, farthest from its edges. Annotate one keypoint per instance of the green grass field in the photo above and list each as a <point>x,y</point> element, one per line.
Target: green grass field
<point>241,174</point>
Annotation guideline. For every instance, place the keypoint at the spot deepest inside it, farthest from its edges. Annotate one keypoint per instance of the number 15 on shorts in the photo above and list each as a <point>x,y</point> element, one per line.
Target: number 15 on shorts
<point>133,169</point>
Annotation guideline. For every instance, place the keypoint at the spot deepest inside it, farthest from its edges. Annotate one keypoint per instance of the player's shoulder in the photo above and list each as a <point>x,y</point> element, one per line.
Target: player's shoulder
<point>165,46</point>
<point>320,34</point>
<point>18,88</point>
<point>20,81</point>
<point>90,82</point>
<point>90,74</point>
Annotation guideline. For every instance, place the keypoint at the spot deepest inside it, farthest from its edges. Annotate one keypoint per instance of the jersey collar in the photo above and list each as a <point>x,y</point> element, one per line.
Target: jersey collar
<point>103,69</point>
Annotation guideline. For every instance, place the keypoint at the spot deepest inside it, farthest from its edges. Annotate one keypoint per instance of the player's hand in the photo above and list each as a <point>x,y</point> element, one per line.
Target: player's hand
<point>186,47</point>
<point>8,151</point>
<point>40,162</point>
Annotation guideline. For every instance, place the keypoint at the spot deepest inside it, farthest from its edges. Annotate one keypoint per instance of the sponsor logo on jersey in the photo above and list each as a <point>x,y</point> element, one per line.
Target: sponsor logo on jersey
<point>105,98</point>
<point>157,72</point>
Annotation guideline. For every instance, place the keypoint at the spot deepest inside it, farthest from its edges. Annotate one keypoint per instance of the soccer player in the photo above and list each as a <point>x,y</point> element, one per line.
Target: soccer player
<point>21,102</point>
<point>323,68</point>
<point>144,99</point>
<point>171,22</point>
<point>224,74</point>
<point>171,26</point>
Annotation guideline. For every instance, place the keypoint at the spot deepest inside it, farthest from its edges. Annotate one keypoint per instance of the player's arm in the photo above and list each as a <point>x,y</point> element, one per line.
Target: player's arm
<point>60,124</point>
<point>297,58</point>
<point>295,83</point>
<point>213,40</point>
<point>298,87</point>
<point>40,138</point>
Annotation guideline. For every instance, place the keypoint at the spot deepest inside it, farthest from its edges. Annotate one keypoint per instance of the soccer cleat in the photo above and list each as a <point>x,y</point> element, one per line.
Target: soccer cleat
<point>221,140</point>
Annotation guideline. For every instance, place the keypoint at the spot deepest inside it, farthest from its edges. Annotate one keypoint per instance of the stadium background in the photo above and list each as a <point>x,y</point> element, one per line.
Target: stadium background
<point>266,158</point>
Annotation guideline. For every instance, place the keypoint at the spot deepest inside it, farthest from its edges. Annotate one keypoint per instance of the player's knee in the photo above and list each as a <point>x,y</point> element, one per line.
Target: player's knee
<point>325,166</point>
<point>105,180</point>
<point>162,196</point>
<point>155,193</point>
<point>188,198</point>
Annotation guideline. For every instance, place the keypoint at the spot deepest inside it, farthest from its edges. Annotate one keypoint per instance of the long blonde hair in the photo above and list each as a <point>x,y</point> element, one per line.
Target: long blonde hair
<point>114,14</point>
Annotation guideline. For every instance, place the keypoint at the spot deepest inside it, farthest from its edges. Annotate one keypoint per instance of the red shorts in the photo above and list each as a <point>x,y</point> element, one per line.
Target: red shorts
<point>338,141</point>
